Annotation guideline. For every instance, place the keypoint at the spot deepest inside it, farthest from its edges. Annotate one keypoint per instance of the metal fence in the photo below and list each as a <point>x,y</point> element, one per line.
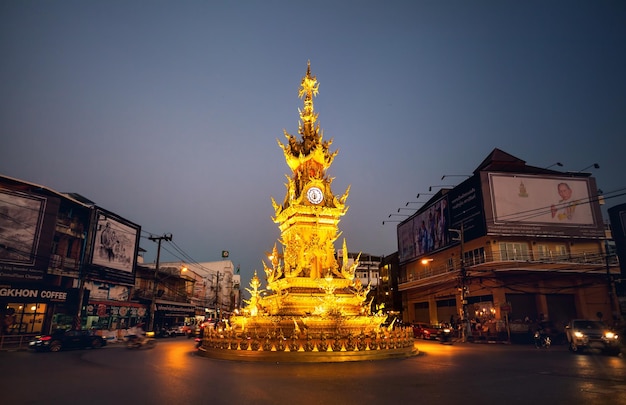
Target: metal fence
<point>15,342</point>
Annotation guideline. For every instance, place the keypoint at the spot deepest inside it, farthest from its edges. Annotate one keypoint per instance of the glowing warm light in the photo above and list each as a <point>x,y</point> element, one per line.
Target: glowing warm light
<point>33,308</point>
<point>426,261</point>
<point>312,302</point>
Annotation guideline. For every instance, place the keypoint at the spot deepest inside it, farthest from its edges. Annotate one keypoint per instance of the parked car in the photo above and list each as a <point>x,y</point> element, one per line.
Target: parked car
<point>583,334</point>
<point>167,331</point>
<point>67,339</point>
<point>418,329</point>
<point>426,331</point>
<point>180,329</point>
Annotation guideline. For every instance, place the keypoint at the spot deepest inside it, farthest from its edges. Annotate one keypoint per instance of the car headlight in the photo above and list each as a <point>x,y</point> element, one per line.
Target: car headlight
<point>578,334</point>
<point>610,335</point>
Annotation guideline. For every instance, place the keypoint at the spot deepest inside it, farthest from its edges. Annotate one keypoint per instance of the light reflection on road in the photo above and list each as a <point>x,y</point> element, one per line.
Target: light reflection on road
<point>171,373</point>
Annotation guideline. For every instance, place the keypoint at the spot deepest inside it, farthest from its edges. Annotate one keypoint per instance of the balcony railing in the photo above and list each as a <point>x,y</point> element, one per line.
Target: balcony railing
<point>584,262</point>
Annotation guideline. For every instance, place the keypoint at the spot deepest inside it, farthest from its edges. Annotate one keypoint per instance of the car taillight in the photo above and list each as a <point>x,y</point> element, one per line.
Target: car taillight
<point>45,338</point>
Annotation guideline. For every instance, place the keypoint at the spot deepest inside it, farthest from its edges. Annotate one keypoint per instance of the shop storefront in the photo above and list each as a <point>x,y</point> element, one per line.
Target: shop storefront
<point>170,313</point>
<point>114,315</point>
<point>32,308</point>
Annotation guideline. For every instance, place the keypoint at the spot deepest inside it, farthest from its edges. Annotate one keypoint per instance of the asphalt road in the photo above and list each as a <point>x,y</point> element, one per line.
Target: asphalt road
<point>171,373</point>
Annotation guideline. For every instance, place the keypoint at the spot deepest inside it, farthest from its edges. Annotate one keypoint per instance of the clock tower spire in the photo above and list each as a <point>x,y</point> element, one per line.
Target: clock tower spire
<point>310,212</point>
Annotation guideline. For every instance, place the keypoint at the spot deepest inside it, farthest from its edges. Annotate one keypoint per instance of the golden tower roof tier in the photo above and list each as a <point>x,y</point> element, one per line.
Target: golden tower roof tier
<point>310,296</point>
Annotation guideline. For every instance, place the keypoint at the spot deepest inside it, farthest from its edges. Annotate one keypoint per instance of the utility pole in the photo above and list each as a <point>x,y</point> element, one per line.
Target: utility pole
<point>217,297</point>
<point>157,239</point>
<point>615,312</point>
<point>465,324</point>
<point>78,317</point>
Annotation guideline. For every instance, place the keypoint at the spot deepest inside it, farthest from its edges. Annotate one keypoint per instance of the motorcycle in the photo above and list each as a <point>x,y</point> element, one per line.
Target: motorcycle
<point>140,342</point>
<point>542,341</point>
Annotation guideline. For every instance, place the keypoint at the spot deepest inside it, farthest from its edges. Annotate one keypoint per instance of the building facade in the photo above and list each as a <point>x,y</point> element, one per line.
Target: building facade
<point>64,261</point>
<point>210,289</point>
<point>511,245</point>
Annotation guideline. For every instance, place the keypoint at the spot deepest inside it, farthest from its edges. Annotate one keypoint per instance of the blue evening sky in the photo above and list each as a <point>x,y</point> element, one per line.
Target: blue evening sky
<point>167,112</point>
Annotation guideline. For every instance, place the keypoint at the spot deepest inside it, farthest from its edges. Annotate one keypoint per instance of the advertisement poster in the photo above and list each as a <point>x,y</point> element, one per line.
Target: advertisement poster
<point>424,232</point>
<point>115,244</point>
<point>21,217</point>
<point>555,206</point>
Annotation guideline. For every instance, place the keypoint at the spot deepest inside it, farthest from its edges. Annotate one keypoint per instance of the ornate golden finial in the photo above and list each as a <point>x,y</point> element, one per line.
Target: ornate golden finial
<point>309,84</point>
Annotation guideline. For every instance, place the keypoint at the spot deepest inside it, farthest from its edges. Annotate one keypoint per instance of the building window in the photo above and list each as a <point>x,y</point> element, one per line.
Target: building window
<point>474,257</point>
<point>542,252</point>
<point>514,251</point>
<point>24,318</point>
<point>70,245</point>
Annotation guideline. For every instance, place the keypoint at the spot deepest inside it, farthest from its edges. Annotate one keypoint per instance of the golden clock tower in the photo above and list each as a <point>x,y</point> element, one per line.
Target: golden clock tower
<point>313,309</point>
<point>308,219</point>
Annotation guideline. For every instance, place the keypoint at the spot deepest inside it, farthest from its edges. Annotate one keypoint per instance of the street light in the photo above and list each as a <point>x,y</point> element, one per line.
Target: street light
<point>397,215</point>
<point>595,166</point>
<point>413,202</point>
<point>455,175</point>
<point>384,222</point>
<point>418,194</point>
<point>440,185</point>
<point>408,209</point>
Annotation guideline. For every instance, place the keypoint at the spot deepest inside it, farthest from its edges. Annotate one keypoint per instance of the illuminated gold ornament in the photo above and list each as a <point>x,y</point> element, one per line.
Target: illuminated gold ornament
<point>310,298</point>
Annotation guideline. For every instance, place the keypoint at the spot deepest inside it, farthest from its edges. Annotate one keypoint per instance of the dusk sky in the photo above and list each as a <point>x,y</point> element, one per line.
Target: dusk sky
<point>167,112</point>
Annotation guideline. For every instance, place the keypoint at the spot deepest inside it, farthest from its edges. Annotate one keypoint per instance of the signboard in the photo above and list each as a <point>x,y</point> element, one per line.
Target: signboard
<point>114,247</point>
<point>466,209</point>
<point>169,308</point>
<point>27,223</point>
<point>424,232</point>
<point>31,293</point>
<point>518,204</point>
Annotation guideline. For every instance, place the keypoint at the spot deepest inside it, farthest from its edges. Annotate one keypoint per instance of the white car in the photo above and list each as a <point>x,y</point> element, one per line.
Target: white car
<point>583,334</point>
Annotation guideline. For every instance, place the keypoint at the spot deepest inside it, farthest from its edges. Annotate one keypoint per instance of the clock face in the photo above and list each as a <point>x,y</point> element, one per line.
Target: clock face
<point>314,195</point>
